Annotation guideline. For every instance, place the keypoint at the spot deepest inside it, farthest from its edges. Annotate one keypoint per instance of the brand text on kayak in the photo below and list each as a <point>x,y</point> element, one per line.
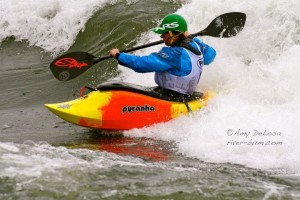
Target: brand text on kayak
<point>145,108</point>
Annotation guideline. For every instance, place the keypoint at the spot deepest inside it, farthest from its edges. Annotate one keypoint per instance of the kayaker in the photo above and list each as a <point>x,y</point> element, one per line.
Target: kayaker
<point>177,67</point>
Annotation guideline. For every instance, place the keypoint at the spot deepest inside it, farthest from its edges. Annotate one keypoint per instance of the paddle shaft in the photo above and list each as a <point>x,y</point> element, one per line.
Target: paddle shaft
<point>99,59</point>
<point>96,60</point>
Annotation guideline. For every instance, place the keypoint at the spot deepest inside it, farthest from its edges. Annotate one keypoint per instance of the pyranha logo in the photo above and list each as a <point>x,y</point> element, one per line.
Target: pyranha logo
<point>145,108</point>
<point>200,63</point>
<point>171,25</point>
<point>70,63</point>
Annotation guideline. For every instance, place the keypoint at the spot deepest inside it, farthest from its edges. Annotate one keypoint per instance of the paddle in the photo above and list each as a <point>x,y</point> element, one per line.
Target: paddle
<point>71,65</point>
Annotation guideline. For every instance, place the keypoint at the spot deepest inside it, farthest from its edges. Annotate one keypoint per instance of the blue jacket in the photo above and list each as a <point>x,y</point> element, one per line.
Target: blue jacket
<point>174,60</point>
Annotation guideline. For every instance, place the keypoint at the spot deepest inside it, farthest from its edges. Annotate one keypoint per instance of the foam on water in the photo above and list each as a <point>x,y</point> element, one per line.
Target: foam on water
<point>254,119</point>
<point>36,159</point>
<point>50,24</point>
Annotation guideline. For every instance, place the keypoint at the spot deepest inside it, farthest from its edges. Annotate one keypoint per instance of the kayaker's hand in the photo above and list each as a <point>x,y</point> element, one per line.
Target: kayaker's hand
<point>114,53</point>
<point>186,34</point>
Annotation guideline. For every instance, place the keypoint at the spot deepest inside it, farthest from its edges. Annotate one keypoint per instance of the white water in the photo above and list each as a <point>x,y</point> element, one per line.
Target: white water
<point>41,159</point>
<point>256,76</point>
<point>50,24</point>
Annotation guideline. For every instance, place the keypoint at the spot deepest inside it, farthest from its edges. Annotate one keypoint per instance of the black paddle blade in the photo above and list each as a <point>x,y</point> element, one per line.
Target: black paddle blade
<point>225,26</point>
<point>71,65</point>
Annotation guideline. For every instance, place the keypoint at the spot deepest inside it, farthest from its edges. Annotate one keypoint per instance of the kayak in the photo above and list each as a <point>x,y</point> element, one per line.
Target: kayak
<point>122,106</point>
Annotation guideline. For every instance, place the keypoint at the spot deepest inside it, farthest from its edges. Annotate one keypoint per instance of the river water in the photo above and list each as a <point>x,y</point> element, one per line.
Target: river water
<point>243,145</point>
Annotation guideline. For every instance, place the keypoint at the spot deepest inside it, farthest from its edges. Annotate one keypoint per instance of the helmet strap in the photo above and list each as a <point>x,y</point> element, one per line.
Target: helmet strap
<point>173,37</point>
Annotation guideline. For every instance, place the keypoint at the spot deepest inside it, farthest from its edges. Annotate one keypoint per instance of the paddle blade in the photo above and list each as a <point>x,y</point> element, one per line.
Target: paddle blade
<point>225,25</point>
<point>71,65</point>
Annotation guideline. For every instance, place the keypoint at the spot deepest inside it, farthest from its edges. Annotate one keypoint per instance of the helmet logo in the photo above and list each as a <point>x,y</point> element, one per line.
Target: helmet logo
<point>168,26</point>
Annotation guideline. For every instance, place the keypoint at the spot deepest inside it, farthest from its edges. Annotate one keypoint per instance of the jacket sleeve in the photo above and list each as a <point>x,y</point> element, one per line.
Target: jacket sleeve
<point>154,62</point>
<point>209,53</point>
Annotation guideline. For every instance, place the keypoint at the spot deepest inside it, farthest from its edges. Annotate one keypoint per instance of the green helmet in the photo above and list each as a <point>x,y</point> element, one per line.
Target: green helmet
<point>171,22</point>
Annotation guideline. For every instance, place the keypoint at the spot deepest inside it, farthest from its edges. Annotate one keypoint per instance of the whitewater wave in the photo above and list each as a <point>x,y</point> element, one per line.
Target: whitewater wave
<point>256,76</point>
<point>35,159</point>
<point>51,25</point>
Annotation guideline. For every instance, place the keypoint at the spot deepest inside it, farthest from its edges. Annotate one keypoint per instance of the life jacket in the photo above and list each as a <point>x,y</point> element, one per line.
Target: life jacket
<point>183,84</point>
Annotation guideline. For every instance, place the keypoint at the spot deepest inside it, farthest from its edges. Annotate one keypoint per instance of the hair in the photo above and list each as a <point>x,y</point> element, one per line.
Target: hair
<point>176,32</point>
<point>181,34</point>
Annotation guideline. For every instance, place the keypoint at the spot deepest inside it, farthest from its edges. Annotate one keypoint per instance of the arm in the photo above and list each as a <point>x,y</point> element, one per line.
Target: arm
<point>155,62</point>
<point>209,53</point>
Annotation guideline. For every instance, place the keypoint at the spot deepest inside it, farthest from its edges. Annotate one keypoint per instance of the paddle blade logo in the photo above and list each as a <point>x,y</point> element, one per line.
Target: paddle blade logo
<point>219,22</point>
<point>70,63</point>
